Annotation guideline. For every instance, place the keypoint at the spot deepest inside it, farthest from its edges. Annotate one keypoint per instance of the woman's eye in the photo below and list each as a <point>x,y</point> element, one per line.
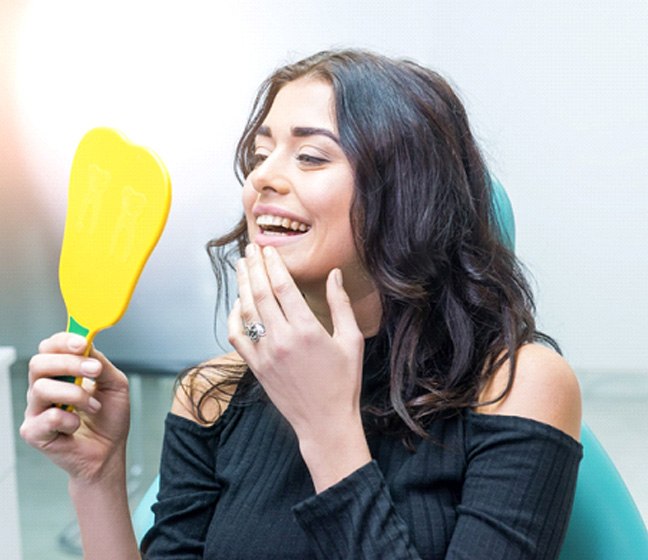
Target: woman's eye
<point>258,159</point>
<point>311,160</point>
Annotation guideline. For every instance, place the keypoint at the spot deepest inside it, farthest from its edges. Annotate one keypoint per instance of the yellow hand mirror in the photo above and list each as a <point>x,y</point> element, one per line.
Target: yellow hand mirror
<point>118,202</point>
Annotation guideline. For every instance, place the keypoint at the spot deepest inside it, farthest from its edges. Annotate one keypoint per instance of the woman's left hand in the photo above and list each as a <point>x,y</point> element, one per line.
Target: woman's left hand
<point>311,376</point>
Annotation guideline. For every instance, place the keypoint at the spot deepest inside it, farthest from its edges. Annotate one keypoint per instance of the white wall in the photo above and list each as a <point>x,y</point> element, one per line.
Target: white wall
<point>558,94</point>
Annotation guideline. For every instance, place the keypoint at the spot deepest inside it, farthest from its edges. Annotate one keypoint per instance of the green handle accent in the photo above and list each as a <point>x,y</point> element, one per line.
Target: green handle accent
<point>76,328</point>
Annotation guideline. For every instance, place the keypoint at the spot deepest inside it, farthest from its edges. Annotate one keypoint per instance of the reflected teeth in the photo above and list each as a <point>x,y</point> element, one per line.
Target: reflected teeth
<point>268,220</point>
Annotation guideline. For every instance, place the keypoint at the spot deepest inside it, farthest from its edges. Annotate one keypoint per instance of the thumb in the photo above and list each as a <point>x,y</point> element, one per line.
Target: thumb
<point>342,315</point>
<point>110,377</point>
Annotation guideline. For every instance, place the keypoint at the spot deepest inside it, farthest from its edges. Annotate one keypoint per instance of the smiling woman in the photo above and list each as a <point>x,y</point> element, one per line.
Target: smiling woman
<point>302,174</point>
<point>390,395</point>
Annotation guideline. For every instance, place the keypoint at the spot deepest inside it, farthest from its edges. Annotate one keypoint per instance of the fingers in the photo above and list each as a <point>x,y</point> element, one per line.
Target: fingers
<point>268,294</point>
<point>284,288</point>
<point>63,342</point>
<point>68,354</point>
<point>342,315</point>
<point>235,329</point>
<point>45,392</point>
<point>62,355</point>
<point>258,301</point>
<point>246,304</point>
<point>267,290</point>
<point>58,365</point>
<point>108,377</point>
<point>40,431</point>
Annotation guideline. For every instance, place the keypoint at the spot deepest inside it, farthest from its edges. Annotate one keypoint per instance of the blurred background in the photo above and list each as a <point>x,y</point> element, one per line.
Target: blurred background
<point>557,93</point>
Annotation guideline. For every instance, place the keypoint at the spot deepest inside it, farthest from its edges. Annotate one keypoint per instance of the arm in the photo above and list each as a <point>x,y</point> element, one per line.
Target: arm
<point>312,376</point>
<point>89,443</point>
<point>520,483</point>
<point>544,389</point>
<point>104,516</point>
<point>189,489</point>
<point>356,519</point>
<point>518,488</point>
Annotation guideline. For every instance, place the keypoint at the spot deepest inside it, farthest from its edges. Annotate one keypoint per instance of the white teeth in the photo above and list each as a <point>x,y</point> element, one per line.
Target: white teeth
<point>266,220</point>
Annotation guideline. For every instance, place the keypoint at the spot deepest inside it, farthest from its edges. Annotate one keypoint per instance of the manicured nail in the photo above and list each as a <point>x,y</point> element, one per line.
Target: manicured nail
<point>250,250</point>
<point>76,342</point>
<point>90,367</point>
<point>338,277</point>
<point>94,405</point>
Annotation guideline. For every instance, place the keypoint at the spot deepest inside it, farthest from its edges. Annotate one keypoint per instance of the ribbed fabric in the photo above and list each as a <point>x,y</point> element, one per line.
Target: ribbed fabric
<point>482,487</point>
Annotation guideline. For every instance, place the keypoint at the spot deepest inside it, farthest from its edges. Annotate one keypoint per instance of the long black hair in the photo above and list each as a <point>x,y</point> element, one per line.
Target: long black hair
<point>455,302</point>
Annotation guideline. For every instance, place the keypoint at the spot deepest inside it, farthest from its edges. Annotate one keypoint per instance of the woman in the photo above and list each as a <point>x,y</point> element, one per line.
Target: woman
<point>389,396</point>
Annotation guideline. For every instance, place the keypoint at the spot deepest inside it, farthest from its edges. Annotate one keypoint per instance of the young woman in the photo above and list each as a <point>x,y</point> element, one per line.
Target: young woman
<point>389,396</point>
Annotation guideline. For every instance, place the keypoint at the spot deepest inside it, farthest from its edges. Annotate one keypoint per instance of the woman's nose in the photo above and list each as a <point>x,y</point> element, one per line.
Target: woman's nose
<point>270,174</point>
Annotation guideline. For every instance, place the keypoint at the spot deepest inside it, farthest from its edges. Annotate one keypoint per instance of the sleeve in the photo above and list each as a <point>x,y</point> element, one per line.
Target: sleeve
<point>189,491</point>
<point>516,500</point>
<point>356,519</point>
<point>518,490</point>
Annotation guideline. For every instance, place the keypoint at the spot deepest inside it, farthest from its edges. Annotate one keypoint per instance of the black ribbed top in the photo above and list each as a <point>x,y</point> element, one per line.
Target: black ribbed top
<point>482,487</point>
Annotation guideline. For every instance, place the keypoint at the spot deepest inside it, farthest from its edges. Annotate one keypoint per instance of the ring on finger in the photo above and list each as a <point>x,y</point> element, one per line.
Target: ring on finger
<point>254,331</point>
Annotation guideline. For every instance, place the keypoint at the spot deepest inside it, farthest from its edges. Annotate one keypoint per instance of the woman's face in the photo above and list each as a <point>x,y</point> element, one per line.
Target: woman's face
<point>298,196</point>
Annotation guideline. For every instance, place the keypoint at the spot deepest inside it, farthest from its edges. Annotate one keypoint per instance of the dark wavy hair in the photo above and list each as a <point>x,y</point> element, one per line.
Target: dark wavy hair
<point>455,302</point>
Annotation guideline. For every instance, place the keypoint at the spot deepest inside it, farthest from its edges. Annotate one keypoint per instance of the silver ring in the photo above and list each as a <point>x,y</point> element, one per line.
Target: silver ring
<point>254,331</point>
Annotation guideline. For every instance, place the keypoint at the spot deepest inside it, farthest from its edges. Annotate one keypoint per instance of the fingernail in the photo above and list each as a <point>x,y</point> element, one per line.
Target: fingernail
<point>90,367</point>
<point>94,405</point>
<point>250,250</point>
<point>338,277</point>
<point>76,342</point>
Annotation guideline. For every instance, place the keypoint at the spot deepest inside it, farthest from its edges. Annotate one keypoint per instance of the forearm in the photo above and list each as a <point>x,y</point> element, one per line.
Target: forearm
<point>377,531</point>
<point>104,516</point>
<point>332,454</point>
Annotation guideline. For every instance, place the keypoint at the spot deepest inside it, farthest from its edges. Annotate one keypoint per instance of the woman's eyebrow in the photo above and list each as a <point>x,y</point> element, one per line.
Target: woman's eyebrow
<point>300,132</point>
<point>264,131</point>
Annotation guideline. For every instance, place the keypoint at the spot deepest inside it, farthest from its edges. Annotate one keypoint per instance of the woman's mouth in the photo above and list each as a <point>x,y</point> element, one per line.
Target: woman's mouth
<point>277,225</point>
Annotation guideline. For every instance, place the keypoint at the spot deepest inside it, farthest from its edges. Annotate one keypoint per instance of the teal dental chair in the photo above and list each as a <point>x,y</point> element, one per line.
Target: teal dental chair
<point>605,523</point>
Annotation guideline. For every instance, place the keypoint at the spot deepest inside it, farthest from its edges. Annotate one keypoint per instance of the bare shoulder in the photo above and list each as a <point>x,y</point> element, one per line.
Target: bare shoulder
<point>545,389</point>
<point>197,384</point>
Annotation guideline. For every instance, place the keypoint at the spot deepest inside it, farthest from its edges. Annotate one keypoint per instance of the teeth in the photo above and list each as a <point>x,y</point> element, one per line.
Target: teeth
<point>278,221</point>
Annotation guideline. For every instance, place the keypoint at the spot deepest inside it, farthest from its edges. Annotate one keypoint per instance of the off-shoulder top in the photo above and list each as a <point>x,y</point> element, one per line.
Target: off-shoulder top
<point>480,487</point>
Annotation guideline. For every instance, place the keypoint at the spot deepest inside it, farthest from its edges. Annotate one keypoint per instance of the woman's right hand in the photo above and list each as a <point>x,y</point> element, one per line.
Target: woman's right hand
<point>92,438</point>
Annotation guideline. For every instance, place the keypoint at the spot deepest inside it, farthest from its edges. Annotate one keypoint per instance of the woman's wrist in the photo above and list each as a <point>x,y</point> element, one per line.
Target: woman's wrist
<point>331,454</point>
<point>103,513</point>
<point>110,474</point>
